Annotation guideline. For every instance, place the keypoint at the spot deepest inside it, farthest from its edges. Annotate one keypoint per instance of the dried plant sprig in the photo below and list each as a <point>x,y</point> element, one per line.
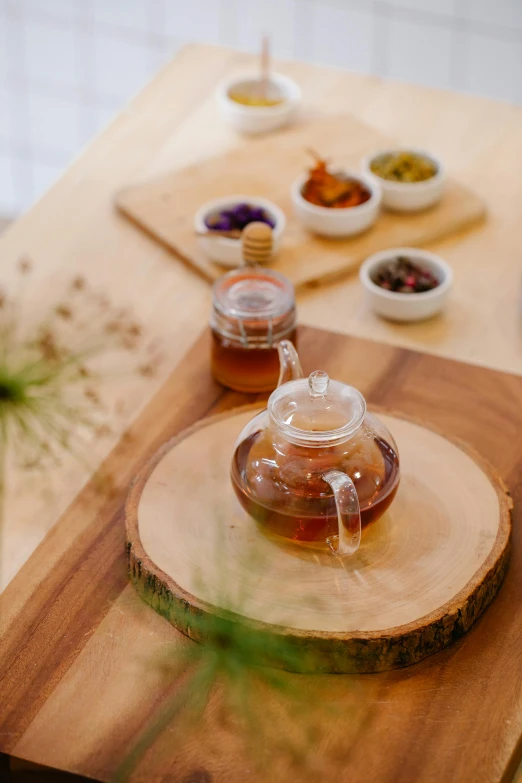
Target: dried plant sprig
<point>48,391</point>
<point>51,403</point>
<point>267,705</point>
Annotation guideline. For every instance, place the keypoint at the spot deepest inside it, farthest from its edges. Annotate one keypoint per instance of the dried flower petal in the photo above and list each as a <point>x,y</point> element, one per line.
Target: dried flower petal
<point>78,284</point>
<point>404,276</point>
<point>25,265</point>
<point>64,312</point>
<point>335,191</point>
<point>237,217</point>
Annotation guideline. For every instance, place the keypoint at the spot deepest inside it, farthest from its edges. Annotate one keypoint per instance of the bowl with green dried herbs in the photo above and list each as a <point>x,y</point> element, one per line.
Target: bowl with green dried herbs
<point>406,284</point>
<point>411,179</point>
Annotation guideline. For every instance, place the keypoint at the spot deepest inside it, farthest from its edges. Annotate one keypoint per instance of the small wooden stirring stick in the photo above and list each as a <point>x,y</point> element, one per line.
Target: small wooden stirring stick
<point>265,66</point>
<point>256,243</point>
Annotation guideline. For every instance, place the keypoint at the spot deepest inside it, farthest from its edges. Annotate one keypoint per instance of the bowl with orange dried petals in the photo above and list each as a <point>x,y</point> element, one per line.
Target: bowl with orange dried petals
<point>336,203</point>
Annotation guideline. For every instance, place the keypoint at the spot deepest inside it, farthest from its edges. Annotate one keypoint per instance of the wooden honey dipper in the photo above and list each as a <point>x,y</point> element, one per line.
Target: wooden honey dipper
<point>256,243</point>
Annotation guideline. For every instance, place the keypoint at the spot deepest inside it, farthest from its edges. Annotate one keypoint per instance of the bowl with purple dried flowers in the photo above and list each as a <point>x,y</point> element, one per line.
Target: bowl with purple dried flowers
<point>219,223</point>
<point>406,284</point>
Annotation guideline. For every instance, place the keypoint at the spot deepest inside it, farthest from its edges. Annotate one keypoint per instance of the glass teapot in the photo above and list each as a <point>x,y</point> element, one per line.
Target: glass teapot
<point>315,467</point>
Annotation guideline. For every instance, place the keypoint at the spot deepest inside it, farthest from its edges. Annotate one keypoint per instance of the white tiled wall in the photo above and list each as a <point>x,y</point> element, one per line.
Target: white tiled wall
<point>66,66</point>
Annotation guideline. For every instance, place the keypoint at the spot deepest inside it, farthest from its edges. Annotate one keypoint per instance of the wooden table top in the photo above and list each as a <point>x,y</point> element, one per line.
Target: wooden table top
<point>75,230</point>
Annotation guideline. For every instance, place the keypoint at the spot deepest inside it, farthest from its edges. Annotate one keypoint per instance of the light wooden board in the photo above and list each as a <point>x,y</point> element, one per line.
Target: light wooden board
<point>266,167</point>
<point>75,634</point>
<point>423,574</point>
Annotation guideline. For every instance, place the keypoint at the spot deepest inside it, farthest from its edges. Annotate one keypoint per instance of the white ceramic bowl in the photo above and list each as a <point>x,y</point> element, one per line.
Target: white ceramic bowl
<point>407,307</point>
<point>259,119</point>
<point>226,251</point>
<point>342,222</point>
<point>409,196</point>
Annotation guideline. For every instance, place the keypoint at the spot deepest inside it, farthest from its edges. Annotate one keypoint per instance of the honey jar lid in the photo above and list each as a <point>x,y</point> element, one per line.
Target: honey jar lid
<point>252,293</point>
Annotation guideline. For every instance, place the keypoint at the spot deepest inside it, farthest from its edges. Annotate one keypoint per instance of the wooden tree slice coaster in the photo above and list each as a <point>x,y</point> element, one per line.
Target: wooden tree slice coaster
<point>424,573</point>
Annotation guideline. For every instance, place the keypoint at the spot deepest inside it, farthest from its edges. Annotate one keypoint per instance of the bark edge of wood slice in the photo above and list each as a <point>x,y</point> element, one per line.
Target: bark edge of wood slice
<point>320,650</point>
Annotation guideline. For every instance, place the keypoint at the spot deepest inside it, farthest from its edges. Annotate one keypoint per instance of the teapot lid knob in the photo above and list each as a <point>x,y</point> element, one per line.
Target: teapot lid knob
<point>318,382</point>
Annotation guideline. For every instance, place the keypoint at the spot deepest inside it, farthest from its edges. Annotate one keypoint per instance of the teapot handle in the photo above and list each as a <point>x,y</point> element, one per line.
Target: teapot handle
<point>289,362</point>
<point>347,541</point>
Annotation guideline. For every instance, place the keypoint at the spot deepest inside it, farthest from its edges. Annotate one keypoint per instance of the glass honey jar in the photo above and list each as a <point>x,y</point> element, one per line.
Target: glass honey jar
<point>253,308</point>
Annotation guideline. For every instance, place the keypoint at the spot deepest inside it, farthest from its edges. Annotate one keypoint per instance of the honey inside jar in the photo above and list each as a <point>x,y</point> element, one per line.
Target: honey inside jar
<point>253,309</point>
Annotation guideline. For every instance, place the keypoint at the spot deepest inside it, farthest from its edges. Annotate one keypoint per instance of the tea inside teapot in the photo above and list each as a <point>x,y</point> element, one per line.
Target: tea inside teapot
<point>316,464</point>
<point>284,489</point>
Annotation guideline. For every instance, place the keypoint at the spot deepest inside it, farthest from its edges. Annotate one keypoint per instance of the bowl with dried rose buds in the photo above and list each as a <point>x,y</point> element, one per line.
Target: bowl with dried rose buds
<point>406,284</point>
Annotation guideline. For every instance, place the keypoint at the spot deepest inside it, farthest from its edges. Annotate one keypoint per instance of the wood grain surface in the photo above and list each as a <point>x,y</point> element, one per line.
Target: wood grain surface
<point>165,207</point>
<point>78,647</point>
<point>422,576</point>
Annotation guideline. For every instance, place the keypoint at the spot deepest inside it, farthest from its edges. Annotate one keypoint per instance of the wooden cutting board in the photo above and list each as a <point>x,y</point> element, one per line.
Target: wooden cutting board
<point>165,207</point>
<point>78,647</point>
<point>423,574</point>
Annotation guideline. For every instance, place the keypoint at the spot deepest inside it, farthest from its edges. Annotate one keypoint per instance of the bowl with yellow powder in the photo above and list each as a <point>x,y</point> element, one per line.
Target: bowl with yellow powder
<point>252,106</point>
<point>411,179</point>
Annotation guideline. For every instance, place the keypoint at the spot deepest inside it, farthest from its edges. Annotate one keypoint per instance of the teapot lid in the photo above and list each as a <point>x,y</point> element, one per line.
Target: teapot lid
<point>316,411</point>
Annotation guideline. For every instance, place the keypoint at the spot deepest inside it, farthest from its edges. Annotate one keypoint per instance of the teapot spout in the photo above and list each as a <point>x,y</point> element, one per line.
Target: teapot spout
<point>289,362</point>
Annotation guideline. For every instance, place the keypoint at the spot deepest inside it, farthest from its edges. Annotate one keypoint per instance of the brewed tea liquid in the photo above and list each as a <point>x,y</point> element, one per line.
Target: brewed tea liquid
<point>245,369</point>
<point>286,494</point>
